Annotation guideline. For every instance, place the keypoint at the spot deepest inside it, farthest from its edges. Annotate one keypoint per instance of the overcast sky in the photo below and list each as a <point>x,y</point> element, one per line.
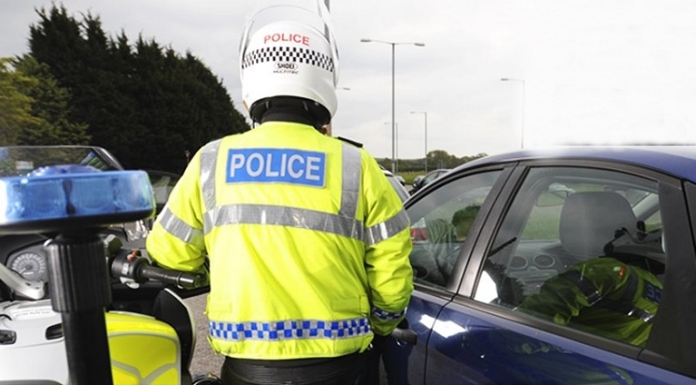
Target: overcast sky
<point>600,72</point>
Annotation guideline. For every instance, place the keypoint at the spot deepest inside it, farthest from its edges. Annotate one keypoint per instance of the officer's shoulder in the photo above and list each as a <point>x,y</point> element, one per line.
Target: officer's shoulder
<point>354,143</point>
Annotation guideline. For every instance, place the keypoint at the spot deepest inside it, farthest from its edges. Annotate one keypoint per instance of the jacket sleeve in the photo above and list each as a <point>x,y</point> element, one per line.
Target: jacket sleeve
<point>388,246</point>
<point>563,296</point>
<point>176,240</point>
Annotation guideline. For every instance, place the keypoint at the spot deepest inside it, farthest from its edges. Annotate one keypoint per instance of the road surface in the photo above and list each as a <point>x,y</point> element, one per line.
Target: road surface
<point>204,359</point>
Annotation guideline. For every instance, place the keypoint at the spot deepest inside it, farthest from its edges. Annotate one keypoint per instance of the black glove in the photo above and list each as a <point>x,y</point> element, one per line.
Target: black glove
<point>378,344</point>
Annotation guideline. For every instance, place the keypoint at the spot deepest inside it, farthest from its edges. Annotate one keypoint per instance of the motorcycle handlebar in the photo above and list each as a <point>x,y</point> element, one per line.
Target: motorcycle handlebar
<point>135,267</point>
<point>178,278</point>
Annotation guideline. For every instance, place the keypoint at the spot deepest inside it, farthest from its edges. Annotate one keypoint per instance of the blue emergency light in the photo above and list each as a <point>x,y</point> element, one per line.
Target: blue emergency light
<point>64,196</point>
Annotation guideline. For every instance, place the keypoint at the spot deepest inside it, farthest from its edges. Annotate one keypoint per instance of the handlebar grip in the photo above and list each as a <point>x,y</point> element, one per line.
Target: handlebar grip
<point>129,265</point>
<point>174,277</point>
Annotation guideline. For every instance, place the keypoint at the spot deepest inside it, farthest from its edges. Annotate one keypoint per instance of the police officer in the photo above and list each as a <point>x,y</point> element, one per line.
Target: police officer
<point>307,242</point>
<point>609,296</point>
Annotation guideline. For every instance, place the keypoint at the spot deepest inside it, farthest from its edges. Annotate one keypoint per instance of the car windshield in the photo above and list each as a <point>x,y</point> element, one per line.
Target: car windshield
<point>21,160</point>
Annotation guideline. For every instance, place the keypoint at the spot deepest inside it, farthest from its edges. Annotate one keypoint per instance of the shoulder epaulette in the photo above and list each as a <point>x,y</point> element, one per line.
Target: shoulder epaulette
<point>354,143</point>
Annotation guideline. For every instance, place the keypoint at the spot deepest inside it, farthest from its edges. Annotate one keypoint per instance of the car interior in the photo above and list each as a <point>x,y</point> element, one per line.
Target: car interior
<point>591,218</point>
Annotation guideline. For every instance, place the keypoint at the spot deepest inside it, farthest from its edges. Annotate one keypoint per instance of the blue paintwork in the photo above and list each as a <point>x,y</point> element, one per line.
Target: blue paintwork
<point>459,344</point>
<point>480,348</point>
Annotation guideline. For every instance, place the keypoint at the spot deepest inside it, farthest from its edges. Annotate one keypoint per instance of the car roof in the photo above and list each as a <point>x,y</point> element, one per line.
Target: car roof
<point>678,161</point>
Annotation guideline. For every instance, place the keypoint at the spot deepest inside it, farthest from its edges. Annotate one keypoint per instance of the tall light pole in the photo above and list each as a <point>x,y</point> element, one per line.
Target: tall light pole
<point>393,118</point>
<point>425,114</point>
<point>522,126</point>
<point>395,161</point>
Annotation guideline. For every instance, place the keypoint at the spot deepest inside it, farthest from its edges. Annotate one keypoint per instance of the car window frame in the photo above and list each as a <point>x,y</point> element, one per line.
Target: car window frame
<point>456,277</point>
<point>675,324</point>
<point>484,241</point>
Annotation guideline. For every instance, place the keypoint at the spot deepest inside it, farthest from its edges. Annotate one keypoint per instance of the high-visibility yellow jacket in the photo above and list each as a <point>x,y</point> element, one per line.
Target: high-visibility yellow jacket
<point>308,243</point>
<point>603,295</point>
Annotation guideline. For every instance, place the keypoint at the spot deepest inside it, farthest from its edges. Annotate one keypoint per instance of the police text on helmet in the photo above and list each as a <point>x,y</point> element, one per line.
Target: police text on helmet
<point>293,37</point>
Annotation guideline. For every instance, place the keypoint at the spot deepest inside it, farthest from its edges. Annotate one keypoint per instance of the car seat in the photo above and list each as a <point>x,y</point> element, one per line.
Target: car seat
<point>589,221</point>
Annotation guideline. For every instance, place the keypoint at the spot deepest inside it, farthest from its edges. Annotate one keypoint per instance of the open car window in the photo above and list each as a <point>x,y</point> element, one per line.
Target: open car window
<point>440,223</point>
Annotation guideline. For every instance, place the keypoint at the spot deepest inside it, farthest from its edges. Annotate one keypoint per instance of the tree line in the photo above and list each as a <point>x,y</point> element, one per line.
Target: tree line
<point>436,159</point>
<point>148,105</point>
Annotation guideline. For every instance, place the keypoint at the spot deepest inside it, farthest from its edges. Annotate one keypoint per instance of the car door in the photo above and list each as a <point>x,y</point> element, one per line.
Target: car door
<point>484,334</point>
<point>437,244</point>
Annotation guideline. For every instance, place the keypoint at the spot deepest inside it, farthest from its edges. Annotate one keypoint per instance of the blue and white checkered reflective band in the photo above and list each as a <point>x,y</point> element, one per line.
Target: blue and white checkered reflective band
<point>289,330</point>
<point>387,316</point>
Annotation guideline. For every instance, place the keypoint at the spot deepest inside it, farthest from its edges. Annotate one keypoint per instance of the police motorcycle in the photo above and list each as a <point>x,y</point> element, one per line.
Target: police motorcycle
<point>79,301</point>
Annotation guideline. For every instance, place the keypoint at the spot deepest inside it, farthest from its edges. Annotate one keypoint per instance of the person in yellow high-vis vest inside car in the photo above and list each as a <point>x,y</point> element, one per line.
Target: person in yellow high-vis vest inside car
<point>616,296</point>
<point>307,242</point>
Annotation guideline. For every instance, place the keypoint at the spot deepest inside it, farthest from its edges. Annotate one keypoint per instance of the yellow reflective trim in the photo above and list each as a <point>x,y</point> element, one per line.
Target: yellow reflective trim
<point>143,350</point>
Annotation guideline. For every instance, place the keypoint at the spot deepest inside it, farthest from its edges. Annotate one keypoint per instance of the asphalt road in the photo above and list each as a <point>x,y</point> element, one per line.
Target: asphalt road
<point>204,359</point>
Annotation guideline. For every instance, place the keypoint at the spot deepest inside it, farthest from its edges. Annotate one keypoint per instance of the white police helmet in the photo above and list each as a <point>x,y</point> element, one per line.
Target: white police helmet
<point>289,51</point>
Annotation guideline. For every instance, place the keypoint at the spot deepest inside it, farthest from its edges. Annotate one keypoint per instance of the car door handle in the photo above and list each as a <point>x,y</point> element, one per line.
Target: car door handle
<point>406,336</point>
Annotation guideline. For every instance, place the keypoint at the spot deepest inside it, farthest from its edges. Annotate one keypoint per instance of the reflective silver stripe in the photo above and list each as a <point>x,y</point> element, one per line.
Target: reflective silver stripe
<point>209,155</point>
<point>178,228</point>
<point>387,229</point>
<point>386,315</point>
<point>351,172</point>
<point>344,223</point>
<point>283,216</point>
<point>289,329</point>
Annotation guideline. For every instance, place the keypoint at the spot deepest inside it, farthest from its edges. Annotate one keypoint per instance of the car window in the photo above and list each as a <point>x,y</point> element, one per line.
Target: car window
<point>582,248</point>
<point>440,223</point>
<point>432,176</point>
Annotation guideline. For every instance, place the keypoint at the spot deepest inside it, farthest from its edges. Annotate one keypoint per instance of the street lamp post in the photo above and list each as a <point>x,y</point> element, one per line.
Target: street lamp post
<point>393,98</point>
<point>395,161</point>
<point>425,114</point>
<point>522,126</point>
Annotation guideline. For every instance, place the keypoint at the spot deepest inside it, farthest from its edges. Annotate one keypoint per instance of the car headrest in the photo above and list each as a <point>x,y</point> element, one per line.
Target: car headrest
<point>589,221</point>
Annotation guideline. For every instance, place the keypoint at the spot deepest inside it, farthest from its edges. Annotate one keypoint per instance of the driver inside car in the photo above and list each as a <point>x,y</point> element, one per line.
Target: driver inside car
<point>462,221</point>
<point>616,295</point>
<point>444,243</point>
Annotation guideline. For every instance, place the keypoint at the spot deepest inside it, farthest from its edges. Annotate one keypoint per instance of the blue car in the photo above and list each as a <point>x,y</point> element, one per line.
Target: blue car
<point>497,234</point>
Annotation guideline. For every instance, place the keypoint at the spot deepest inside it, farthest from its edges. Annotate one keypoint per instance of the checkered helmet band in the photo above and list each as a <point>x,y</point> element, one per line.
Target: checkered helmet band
<point>288,55</point>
